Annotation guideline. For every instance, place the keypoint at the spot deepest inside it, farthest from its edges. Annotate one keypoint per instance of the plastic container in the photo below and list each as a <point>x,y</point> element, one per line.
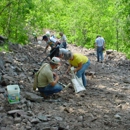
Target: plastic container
<point>13,94</point>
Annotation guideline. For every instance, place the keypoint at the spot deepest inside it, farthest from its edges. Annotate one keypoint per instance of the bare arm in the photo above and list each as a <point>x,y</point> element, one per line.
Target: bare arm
<point>78,68</point>
<point>68,69</point>
<point>55,79</point>
<point>46,47</point>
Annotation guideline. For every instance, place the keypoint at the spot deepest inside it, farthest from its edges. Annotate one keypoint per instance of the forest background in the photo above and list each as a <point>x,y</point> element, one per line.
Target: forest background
<point>80,20</point>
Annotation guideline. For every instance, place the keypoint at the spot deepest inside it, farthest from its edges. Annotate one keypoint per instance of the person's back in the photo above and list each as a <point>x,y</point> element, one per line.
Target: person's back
<point>78,58</point>
<point>45,76</point>
<point>99,44</point>
<point>100,41</point>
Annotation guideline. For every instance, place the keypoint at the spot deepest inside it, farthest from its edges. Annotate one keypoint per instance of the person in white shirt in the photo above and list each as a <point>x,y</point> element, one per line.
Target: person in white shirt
<point>62,52</point>
<point>63,40</point>
<point>53,43</point>
<point>99,45</point>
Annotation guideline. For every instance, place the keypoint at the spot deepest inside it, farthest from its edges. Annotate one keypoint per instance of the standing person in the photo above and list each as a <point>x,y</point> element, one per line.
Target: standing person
<point>53,43</point>
<point>63,40</point>
<point>47,79</point>
<point>99,46</point>
<point>80,63</point>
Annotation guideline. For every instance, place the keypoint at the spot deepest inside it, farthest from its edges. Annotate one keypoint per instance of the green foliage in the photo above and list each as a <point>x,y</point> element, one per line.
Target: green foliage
<point>4,47</point>
<point>81,21</point>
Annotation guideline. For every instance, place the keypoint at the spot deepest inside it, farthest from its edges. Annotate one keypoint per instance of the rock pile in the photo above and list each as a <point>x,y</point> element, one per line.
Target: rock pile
<point>105,105</point>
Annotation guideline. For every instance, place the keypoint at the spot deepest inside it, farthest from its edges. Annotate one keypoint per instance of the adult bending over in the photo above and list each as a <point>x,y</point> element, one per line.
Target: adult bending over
<point>80,62</point>
<point>53,43</point>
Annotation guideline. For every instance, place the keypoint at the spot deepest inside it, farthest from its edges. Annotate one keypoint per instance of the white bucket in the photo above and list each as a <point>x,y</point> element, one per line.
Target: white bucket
<point>13,94</point>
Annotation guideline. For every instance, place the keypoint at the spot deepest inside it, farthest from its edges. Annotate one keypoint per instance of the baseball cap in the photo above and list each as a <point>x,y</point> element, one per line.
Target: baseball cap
<point>55,60</point>
<point>48,34</point>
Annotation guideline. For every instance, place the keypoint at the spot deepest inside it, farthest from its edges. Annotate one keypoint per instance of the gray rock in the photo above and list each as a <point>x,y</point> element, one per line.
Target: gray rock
<point>35,120</point>
<point>46,128</point>
<point>54,128</point>
<point>109,51</point>
<point>23,100</point>
<point>29,104</point>
<point>126,80</point>
<point>80,118</point>
<point>42,117</point>
<point>9,59</point>
<point>117,116</point>
<point>5,128</point>
<point>17,69</point>
<point>2,97</point>
<point>4,82</point>
<point>2,64</point>
<point>17,120</point>
<point>58,118</point>
<point>24,120</point>
<point>7,121</point>
<point>2,90</point>
<point>43,125</point>
<point>30,113</point>
<point>33,97</point>
<point>28,127</point>
<point>22,127</point>
<point>15,111</point>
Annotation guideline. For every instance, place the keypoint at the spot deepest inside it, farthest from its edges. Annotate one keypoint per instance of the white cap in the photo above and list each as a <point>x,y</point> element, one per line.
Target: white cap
<point>55,60</point>
<point>48,34</point>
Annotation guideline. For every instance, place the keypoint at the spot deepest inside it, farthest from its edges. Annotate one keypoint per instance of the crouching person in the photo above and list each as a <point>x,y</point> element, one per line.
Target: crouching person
<point>47,79</point>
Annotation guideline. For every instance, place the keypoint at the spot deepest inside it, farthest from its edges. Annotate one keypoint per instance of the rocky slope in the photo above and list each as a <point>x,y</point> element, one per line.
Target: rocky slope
<point>104,105</point>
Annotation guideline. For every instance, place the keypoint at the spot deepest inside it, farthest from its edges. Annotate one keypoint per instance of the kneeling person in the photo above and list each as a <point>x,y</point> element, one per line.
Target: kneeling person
<point>47,79</point>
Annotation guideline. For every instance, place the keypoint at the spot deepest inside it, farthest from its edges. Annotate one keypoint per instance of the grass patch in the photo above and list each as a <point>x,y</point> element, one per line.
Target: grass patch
<point>4,47</point>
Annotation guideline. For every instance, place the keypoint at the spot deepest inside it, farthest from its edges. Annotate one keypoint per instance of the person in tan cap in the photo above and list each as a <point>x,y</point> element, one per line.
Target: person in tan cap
<point>48,80</point>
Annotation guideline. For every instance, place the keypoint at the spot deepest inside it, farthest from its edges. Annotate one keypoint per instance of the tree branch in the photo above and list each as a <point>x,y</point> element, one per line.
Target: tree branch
<point>5,7</point>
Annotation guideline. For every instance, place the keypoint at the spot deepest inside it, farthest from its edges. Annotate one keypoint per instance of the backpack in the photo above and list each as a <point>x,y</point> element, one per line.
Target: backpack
<point>35,83</point>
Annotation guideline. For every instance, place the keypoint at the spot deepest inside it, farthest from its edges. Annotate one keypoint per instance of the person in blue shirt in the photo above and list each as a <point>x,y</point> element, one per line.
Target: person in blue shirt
<point>99,46</point>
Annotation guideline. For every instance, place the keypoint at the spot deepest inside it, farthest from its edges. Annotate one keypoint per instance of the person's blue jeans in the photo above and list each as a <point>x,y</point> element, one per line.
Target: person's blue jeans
<point>49,90</point>
<point>64,45</point>
<point>81,73</point>
<point>100,53</point>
